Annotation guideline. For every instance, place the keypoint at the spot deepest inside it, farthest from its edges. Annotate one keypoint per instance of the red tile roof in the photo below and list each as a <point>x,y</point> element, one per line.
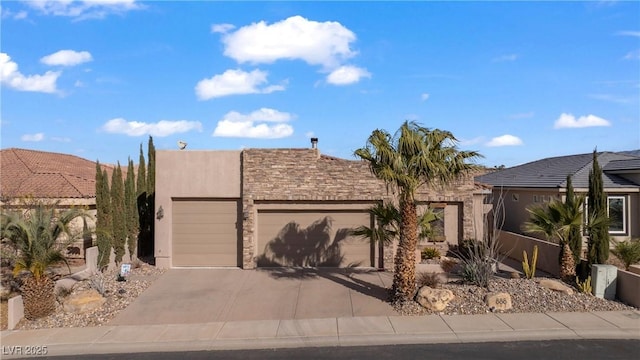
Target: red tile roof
<point>46,175</point>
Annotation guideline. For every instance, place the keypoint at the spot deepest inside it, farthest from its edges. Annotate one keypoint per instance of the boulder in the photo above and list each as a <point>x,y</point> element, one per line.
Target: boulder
<point>434,299</point>
<point>83,301</point>
<point>498,301</point>
<point>555,285</point>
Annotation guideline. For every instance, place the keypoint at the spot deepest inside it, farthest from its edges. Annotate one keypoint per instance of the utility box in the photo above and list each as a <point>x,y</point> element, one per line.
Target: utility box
<point>603,281</point>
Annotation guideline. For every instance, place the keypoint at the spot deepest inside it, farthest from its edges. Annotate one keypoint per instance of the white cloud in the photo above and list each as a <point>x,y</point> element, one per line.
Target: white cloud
<point>264,123</point>
<point>79,83</point>
<point>569,121</point>
<point>424,97</point>
<point>633,55</point>
<point>629,33</point>
<point>345,75</point>
<point>160,129</point>
<point>317,43</point>
<point>309,134</point>
<point>222,28</point>
<point>67,58</point>
<point>613,98</point>
<point>505,140</point>
<point>13,78</point>
<point>83,9</point>
<point>469,142</point>
<point>234,82</point>
<point>7,13</point>
<point>32,137</point>
<point>508,57</point>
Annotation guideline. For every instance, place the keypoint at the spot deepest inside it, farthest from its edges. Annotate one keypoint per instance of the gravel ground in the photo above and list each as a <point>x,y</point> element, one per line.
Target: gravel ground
<point>527,296</point>
<point>119,295</point>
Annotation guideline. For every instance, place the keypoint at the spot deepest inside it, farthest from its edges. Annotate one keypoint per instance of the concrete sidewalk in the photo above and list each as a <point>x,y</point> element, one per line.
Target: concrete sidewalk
<point>336,331</point>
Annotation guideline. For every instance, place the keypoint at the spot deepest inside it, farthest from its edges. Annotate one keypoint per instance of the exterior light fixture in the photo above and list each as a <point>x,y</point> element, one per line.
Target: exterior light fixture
<point>160,213</point>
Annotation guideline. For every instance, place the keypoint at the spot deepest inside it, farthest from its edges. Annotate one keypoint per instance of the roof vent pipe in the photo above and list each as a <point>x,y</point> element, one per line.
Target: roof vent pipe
<point>314,143</point>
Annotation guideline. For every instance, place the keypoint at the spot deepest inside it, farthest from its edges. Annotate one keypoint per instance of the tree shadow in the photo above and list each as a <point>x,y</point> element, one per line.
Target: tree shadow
<point>309,247</point>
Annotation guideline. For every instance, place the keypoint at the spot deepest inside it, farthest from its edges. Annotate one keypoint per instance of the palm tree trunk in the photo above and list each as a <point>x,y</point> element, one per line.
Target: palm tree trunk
<point>404,277</point>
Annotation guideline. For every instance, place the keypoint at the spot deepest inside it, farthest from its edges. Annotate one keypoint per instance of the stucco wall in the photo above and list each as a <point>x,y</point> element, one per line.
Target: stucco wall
<point>190,174</point>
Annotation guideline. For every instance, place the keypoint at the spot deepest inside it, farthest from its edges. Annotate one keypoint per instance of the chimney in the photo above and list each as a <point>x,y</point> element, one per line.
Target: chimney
<point>314,142</point>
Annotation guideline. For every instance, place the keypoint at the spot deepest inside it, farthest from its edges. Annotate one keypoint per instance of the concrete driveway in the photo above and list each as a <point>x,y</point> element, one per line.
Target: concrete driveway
<point>189,296</point>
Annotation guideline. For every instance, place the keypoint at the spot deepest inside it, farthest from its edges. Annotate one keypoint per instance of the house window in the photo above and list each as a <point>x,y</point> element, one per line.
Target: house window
<point>437,225</point>
<point>617,214</point>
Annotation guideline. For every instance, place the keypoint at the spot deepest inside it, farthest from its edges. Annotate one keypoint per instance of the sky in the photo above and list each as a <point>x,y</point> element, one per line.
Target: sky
<point>515,81</point>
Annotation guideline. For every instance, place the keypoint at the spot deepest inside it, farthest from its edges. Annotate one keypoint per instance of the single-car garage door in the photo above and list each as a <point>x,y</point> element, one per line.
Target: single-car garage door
<point>313,238</point>
<point>205,232</point>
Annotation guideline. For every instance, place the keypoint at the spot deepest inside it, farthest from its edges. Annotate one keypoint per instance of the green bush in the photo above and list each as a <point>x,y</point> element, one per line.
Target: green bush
<point>628,252</point>
<point>430,253</point>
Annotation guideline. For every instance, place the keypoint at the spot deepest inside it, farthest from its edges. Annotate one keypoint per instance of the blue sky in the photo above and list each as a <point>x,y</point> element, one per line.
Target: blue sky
<point>515,81</point>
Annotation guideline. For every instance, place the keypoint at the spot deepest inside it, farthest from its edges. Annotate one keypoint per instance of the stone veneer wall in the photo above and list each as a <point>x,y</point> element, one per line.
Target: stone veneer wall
<point>303,175</point>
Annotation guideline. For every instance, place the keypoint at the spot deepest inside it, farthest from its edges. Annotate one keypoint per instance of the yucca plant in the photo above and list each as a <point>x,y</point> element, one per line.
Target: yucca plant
<point>40,236</point>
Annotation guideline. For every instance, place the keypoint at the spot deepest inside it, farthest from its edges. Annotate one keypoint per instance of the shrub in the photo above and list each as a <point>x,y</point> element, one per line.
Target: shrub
<point>584,286</point>
<point>628,252</point>
<point>428,279</point>
<point>479,261</point>
<point>430,253</point>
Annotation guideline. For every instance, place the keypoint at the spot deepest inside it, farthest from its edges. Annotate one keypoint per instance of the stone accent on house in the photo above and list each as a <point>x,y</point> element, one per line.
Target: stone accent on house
<point>303,176</point>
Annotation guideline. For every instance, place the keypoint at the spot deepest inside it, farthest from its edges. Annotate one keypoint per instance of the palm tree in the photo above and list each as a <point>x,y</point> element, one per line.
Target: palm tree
<point>387,224</point>
<point>413,157</point>
<point>40,236</point>
<point>556,222</point>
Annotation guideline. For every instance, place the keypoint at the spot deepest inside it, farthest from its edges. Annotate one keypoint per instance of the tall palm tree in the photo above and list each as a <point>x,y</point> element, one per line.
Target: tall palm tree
<point>413,157</point>
<point>387,224</point>
<point>40,236</point>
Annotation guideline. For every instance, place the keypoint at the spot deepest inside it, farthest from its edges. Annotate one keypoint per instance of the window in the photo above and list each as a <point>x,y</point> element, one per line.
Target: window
<point>437,226</point>
<point>616,210</point>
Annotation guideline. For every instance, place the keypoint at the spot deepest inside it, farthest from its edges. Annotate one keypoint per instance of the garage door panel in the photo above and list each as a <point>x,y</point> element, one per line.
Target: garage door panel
<point>205,233</point>
<point>316,238</point>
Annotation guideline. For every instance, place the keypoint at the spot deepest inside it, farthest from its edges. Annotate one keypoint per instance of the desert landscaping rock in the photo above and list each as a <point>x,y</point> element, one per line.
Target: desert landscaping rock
<point>83,301</point>
<point>434,299</point>
<point>555,285</point>
<point>498,301</point>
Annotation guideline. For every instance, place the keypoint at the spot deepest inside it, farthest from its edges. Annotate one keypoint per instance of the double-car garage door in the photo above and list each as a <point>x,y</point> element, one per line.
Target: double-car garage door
<point>312,238</point>
<point>209,233</point>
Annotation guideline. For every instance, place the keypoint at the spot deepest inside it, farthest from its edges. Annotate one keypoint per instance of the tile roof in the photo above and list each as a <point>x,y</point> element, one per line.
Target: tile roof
<point>46,175</point>
<point>552,172</point>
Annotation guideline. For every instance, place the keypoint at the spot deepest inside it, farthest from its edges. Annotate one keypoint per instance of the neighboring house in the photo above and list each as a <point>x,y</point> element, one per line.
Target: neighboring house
<point>57,178</point>
<point>540,181</point>
<point>283,207</point>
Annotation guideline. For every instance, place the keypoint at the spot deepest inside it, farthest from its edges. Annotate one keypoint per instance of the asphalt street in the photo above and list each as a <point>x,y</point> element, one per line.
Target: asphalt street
<point>524,350</point>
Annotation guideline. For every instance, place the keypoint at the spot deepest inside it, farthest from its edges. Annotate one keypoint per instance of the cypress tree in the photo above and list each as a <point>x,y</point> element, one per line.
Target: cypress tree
<point>131,209</point>
<point>104,246</point>
<point>151,197</point>
<point>574,238</point>
<point>117,214</point>
<point>598,245</point>
<point>141,193</point>
<point>104,230</point>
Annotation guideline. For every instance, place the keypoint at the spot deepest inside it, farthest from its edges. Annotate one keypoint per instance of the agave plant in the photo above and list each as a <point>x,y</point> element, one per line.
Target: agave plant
<point>627,251</point>
<point>40,236</point>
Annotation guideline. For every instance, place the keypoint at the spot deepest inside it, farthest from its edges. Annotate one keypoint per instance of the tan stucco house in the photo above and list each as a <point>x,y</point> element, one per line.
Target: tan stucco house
<point>538,182</point>
<point>283,207</point>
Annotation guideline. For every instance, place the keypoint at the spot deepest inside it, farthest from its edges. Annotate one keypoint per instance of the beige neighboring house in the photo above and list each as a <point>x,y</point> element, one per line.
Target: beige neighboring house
<point>538,182</point>
<point>284,207</point>
<point>66,179</point>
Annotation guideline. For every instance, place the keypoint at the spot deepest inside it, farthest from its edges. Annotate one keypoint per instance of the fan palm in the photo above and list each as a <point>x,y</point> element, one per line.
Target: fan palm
<point>555,220</point>
<point>413,157</point>
<point>40,237</point>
